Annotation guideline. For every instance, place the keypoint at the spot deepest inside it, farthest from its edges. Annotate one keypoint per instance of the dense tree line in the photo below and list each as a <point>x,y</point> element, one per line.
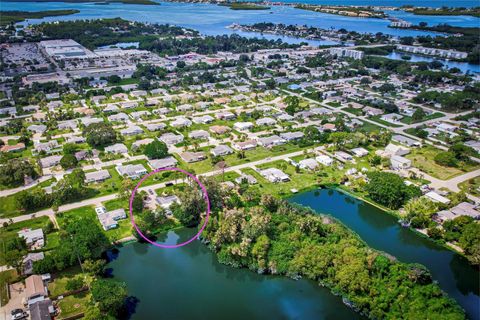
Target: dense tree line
<point>390,190</point>
<point>14,172</point>
<point>70,189</point>
<point>277,237</point>
<point>101,32</point>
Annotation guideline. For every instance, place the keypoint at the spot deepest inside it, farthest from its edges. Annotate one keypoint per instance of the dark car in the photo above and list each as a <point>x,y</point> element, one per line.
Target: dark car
<point>18,314</point>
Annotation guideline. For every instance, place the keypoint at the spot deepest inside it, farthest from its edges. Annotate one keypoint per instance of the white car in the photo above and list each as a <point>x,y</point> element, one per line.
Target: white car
<point>100,210</point>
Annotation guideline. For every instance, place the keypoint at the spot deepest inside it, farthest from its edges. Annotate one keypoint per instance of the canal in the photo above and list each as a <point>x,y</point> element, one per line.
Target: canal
<point>188,282</point>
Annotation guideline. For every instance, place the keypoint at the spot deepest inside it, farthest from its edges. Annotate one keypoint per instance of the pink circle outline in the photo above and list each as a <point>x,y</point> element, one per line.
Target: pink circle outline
<point>205,194</point>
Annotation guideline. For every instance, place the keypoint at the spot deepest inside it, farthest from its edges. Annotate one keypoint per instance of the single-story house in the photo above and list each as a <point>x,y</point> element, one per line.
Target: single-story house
<point>325,160</point>
<point>461,209</point>
<point>166,201</point>
<point>193,156</point>
<point>359,152</point>
<point>97,176</point>
<point>271,141</point>
<point>131,131</point>
<point>242,126</point>
<point>171,138</point>
<point>221,150</point>
<point>155,126</point>
<point>33,238</point>
<point>203,119</point>
<point>166,162</point>
<point>409,142</point>
<point>246,177</point>
<point>219,129</point>
<point>118,148</point>
<point>343,156</point>
<point>265,122</point>
<point>139,143</point>
<point>199,134</point>
<point>244,145</point>
<point>132,171</point>
<point>435,197</point>
<point>274,175</point>
<point>291,136</point>
<point>50,161</point>
<point>310,164</point>
<point>108,219</point>
<point>399,162</point>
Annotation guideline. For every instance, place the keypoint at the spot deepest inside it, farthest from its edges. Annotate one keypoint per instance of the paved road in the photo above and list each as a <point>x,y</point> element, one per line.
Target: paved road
<point>97,201</point>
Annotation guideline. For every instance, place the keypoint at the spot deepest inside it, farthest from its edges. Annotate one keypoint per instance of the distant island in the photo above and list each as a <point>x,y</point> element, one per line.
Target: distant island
<point>350,11</point>
<point>9,17</point>
<point>443,11</point>
<point>143,2</point>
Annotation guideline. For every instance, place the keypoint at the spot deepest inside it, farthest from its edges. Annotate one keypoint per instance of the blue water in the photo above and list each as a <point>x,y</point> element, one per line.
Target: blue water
<point>212,19</point>
<point>391,3</point>
<point>463,66</point>
<point>381,231</point>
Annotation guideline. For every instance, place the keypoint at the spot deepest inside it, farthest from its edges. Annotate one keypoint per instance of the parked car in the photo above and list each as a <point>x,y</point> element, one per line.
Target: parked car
<point>18,314</point>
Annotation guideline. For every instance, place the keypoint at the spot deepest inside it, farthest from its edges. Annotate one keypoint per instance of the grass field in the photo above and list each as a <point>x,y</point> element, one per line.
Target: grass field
<point>10,232</point>
<point>422,158</point>
<point>6,277</point>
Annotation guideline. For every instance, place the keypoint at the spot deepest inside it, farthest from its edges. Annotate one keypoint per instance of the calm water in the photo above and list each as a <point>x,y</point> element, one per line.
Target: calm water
<point>189,283</point>
<point>212,19</point>
<point>463,66</point>
<point>382,232</point>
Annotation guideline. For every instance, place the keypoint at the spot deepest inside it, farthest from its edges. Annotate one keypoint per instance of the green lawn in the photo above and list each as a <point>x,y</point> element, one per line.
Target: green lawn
<point>73,305</point>
<point>385,123</point>
<point>471,186</point>
<point>422,158</point>
<point>58,286</point>
<point>6,277</point>
<point>10,232</point>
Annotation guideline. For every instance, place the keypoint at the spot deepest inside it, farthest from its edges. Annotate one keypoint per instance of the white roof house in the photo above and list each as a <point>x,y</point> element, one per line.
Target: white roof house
<point>243,126</point>
<point>274,175</point>
<point>310,164</point>
<point>132,171</point>
<point>181,122</point>
<point>343,156</point>
<point>461,209</point>
<point>155,126</point>
<point>166,201</point>
<point>435,197</point>
<point>290,136</point>
<point>33,238</point>
<point>392,149</point>
<point>108,219</point>
<point>399,162</point>
<point>270,141</point>
<point>244,145</point>
<point>171,138</point>
<point>50,161</point>
<point>265,122</point>
<point>221,150</point>
<point>359,152</point>
<point>167,162</point>
<point>119,117</point>
<point>325,160</point>
<point>199,134</point>
<point>131,131</point>
<point>203,119</point>
<point>97,176</point>
<point>116,148</point>
<point>246,177</point>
